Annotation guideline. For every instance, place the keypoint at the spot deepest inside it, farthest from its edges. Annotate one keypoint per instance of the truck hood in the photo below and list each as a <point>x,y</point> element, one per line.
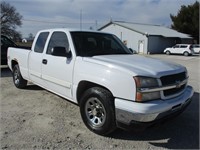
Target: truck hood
<point>137,65</point>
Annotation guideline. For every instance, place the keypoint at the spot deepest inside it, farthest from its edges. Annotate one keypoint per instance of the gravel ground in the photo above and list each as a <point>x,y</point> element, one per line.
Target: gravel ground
<point>34,118</point>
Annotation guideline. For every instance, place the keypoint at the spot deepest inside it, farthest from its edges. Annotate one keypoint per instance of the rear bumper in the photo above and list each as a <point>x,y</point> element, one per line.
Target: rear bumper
<point>130,115</point>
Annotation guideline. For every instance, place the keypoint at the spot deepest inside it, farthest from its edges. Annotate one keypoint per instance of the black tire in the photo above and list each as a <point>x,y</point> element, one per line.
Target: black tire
<point>97,110</point>
<point>168,52</point>
<point>186,54</point>
<point>18,80</point>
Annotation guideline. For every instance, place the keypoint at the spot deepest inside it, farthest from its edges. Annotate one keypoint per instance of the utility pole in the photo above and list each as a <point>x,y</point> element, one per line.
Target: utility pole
<point>81,19</point>
<point>96,24</point>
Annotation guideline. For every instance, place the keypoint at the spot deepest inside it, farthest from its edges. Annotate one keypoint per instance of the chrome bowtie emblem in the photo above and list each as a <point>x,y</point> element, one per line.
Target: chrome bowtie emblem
<point>178,84</point>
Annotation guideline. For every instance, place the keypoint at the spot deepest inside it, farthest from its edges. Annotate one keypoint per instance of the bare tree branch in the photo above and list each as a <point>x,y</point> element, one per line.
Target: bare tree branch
<point>10,20</point>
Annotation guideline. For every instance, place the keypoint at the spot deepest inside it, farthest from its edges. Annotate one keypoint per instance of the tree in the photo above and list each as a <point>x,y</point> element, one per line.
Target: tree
<point>187,20</point>
<point>10,20</point>
<point>30,36</point>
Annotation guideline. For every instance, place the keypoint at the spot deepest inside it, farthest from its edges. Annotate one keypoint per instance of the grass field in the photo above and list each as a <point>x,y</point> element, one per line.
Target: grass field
<point>28,44</point>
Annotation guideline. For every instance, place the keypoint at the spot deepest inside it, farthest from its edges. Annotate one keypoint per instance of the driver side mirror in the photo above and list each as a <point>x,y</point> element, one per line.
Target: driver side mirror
<point>61,52</point>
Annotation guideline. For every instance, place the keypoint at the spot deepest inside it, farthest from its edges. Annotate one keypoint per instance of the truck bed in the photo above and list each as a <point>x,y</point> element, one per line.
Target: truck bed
<point>21,55</point>
<point>24,47</point>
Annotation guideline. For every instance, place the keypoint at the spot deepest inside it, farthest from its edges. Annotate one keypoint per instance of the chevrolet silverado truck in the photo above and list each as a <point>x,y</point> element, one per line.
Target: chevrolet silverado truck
<point>95,70</point>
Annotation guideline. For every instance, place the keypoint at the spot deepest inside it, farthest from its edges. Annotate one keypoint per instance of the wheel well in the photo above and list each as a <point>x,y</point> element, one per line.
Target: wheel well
<point>186,52</point>
<point>13,63</point>
<point>85,85</point>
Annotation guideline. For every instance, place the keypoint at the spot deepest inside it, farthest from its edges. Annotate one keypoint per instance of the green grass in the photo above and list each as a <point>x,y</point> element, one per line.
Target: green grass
<point>28,44</point>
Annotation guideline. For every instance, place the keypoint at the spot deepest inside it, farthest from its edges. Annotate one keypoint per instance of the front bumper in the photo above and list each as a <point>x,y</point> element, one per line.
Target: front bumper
<point>133,114</point>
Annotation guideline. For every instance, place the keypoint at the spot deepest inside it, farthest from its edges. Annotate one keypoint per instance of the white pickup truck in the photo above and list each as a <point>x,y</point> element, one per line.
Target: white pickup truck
<point>95,70</point>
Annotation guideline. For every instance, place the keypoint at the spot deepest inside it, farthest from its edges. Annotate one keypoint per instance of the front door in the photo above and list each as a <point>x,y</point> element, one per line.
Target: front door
<point>57,70</point>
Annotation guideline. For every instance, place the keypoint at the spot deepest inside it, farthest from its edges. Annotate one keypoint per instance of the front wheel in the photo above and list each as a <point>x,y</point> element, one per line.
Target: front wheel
<point>18,80</point>
<point>97,110</point>
<point>168,52</point>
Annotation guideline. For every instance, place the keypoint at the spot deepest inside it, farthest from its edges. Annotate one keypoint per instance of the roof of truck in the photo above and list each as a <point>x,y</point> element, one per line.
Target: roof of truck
<point>70,30</point>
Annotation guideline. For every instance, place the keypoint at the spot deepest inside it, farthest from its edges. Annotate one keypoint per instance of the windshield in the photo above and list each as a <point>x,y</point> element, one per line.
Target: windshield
<point>91,44</point>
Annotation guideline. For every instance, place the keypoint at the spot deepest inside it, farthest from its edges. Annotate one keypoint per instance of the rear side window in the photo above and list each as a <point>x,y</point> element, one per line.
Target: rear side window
<point>183,46</point>
<point>40,43</point>
<point>58,39</point>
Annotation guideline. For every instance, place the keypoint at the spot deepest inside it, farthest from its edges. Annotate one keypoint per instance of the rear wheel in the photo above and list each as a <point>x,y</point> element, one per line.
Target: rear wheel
<point>18,80</point>
<point>97,110</point>
<point>186,54</point>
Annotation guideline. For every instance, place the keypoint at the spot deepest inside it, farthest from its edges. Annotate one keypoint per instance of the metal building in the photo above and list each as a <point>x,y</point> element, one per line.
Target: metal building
<point>145,38</point>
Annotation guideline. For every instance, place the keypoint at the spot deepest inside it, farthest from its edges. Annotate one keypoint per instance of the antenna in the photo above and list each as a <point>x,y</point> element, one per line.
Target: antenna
<point>111,20</point>
<point>96,24</point>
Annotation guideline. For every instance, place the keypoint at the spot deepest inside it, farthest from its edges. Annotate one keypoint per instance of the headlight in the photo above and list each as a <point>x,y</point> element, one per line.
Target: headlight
<point>146,82</point>
<point>186,73</point>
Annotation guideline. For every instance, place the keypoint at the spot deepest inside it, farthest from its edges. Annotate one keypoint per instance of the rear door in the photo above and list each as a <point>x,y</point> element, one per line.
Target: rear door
<point>183,48</point>
<point>35,58</point>
<point>57,70</point>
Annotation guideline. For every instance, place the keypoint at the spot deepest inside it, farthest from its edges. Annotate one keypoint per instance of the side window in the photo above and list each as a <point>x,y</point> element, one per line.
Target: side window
<point>58,39</point>
<point>183,46</point>
<point>40,43</point>
<point>196,46</point>
<point>176,46</point>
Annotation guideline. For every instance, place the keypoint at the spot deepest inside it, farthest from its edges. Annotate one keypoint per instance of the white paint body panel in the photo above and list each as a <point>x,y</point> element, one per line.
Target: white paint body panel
<point>114,72</point>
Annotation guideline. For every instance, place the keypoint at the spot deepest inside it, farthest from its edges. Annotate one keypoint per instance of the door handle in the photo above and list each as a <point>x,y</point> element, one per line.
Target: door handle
<point>44,61</point>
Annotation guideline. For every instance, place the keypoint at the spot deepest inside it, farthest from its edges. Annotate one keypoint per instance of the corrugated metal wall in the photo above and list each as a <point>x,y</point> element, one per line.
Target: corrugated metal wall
<point>140,42</point>
<point>133,39</point>
<point>157,44</point>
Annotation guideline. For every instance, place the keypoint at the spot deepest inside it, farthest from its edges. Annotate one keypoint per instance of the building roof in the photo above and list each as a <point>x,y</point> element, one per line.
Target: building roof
<point>148,29</point>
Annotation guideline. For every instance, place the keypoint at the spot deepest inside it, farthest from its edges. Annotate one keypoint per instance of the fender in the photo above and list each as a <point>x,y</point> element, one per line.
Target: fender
<point>116,81</point>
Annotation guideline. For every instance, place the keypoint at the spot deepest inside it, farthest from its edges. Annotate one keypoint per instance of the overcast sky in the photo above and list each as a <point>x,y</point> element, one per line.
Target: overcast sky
<point>43,14</point>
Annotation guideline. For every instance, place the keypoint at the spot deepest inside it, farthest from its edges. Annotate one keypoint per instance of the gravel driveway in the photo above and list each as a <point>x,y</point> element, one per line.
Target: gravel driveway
<point>34,118</point>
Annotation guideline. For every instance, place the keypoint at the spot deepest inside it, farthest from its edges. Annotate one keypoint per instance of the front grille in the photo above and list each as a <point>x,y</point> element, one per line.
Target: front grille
<point>173,79</point>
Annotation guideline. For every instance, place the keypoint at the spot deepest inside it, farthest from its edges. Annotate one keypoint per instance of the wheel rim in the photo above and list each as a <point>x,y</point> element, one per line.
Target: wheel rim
<point>16,77</point>
<point>95,112</point>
